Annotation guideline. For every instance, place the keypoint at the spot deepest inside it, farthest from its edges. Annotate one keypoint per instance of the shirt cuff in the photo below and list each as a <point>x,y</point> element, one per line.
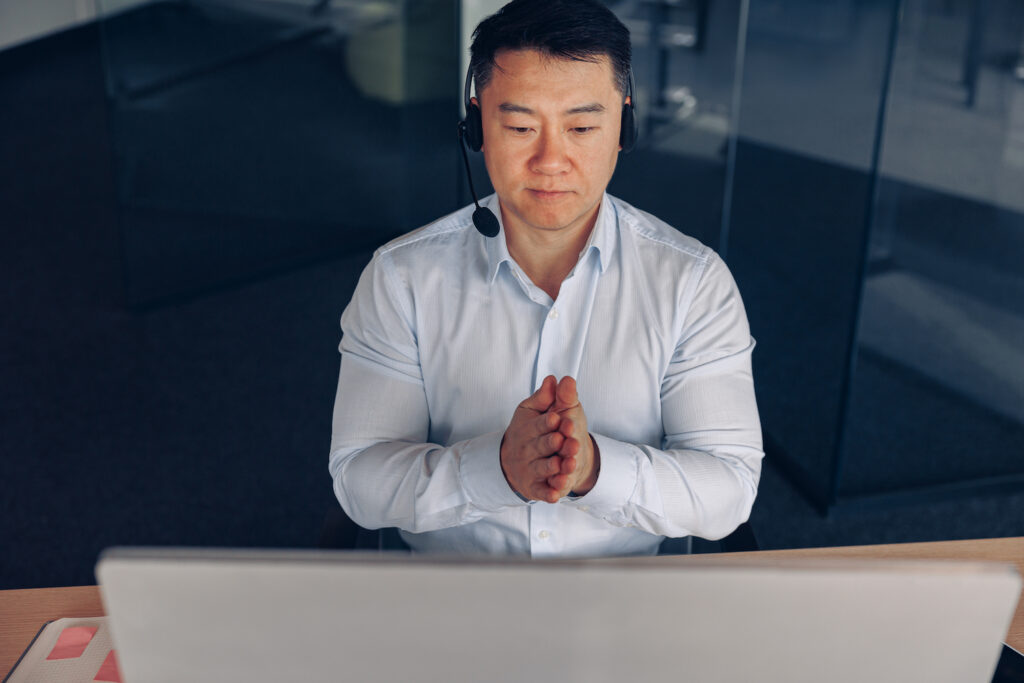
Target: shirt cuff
<point>481,474</point>
<point>615,482</point>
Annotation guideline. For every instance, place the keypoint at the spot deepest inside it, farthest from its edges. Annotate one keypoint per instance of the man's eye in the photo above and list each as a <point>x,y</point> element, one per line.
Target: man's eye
<point>519,130</point>
<point>583,130</point>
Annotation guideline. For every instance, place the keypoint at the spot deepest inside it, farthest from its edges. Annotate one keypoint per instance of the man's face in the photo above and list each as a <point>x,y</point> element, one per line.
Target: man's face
<point>551,138</point>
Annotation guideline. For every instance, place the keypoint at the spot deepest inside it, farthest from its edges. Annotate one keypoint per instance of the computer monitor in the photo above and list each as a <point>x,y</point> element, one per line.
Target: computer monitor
<point>272,616</point>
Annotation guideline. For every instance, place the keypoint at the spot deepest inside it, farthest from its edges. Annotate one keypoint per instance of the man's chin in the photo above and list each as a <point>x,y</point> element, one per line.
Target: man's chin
<point>537,216</point>
<point>551,220</point>
<point>551,225</point>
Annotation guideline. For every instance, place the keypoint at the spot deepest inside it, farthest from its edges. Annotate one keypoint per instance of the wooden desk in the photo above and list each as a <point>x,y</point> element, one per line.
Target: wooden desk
<point>23,612</point>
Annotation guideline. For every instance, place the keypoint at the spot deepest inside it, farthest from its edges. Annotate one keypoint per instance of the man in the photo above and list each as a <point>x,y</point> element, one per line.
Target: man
<point>578,384</point>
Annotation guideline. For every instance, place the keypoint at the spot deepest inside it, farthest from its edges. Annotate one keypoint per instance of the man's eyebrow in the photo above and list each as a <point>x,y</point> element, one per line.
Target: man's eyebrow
<point>592,108</point>
<point>509,108</point>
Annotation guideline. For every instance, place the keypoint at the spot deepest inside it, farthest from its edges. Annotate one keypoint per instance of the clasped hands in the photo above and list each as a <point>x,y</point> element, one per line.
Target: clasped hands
<point>547,452</point>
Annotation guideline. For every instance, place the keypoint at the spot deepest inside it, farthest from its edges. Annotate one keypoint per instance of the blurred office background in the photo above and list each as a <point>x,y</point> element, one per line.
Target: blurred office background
<point>189,190</point>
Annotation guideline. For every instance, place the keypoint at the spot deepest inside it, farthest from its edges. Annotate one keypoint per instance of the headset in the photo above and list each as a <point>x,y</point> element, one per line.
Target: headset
<point>471,134</point>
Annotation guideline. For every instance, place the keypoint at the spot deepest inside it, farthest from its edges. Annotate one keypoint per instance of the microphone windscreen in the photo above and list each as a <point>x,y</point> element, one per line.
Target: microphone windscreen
<point>485,221</point>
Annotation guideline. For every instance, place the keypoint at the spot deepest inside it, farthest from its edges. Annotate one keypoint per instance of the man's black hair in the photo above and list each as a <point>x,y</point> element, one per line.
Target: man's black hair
<point>581,30</point>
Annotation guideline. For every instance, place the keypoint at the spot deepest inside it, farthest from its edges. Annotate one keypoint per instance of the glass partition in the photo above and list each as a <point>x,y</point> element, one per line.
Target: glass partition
<point>254,135</point>
<point>937,390</point>
<point>875,231</point>
<point>686,55</point>
<point>813,84</point>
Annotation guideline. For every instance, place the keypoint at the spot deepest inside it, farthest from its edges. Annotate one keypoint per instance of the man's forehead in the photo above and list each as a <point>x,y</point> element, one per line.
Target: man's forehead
<point>550,58</point>
<point>506,62</point>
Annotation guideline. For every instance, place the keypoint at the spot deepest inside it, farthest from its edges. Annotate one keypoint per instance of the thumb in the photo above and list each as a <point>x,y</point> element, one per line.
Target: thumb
<point>565,395</point>
<point>541,399</point>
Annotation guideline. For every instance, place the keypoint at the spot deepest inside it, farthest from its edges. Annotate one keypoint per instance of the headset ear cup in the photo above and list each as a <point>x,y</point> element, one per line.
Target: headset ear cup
<point>474,128</point>
<point>628,132</point>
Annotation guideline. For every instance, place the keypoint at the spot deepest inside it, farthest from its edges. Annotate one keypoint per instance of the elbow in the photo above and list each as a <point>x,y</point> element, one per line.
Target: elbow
<point>727,518</point>
<point>346,496</point>
<point>723,514</point>
<point>350,507</point>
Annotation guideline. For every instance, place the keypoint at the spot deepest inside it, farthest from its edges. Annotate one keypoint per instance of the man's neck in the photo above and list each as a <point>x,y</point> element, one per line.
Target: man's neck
<point>547,256</point>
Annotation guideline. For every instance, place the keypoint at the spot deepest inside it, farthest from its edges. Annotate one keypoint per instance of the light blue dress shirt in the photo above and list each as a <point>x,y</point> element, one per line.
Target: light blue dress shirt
<point>445,335</point>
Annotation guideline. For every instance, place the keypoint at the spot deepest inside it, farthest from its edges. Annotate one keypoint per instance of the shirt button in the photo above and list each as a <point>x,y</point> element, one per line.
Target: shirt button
<point>553,314</point>
<point>543,534</point>
<point>585,508</point>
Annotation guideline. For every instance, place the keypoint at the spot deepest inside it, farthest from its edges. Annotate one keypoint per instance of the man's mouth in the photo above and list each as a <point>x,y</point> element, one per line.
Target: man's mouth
<point>549,194</point>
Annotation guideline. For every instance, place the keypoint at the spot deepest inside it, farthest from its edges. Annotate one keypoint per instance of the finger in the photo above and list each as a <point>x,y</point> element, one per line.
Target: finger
<point>541,399</point>
<point>552,495</point>
<point>546,467</point>
<point>565,394</point>
<point>543,491</point>
<point>548,444</point>
<point>547,422</point>
<point>559,482</point>
<point>569,448</point>
<point>565,426</point>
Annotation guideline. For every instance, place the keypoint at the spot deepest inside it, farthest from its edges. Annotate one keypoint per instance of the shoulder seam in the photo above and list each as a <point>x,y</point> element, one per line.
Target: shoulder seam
<point>637,229</point>
<point>425,233</point>
<point>397,291</point>
<point>690,293</point>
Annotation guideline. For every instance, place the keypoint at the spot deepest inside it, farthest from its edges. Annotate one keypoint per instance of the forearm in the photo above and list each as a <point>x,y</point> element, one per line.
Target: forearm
<point>420,487</point>
<point>703,479</point>
<point>386,474</point>
<point>675,492</point>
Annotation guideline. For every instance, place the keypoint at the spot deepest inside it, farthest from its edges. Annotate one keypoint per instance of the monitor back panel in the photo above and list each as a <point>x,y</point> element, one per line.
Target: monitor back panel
<point>258,616</point>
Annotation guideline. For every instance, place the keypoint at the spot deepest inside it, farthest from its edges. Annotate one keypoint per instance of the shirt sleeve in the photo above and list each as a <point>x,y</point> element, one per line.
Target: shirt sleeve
<point>384,471</point>
<point>704,478</point>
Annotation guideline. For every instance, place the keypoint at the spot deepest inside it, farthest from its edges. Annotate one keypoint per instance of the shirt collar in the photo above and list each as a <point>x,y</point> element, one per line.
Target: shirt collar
<point>602,238</point>
<point>604,235</point>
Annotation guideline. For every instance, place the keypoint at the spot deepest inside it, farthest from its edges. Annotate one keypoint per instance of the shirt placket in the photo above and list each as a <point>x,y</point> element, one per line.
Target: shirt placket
<point>542,539</point>
<point>562,336</point>
<point>545,539</point>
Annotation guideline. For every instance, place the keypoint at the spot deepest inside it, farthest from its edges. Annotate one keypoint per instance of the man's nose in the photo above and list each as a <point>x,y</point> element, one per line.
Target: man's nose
<point>550,154</point>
